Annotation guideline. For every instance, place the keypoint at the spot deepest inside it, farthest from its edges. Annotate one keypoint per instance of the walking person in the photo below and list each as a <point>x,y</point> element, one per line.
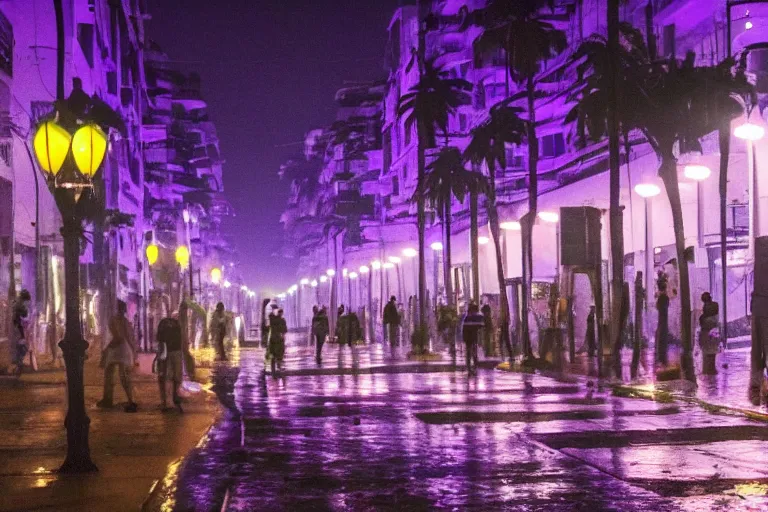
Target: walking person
<point>169,360</point>
<point>391,320</point>
<point>709,335</point>
<point>489,348</point>
<point>19,335</point>
<point>219,331</point>
<point>315,309</point>
<point>121,356</point>
<point>320,329</point>
<point>471,325</point>
<point>277,331</point>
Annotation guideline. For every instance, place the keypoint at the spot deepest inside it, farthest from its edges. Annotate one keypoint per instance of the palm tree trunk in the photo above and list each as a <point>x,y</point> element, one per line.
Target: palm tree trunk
<point>615,214</point>
<point>668,173</point>
<point>474,233</point>
<point>493,218</point>
<point>527,233</point>
<point>421,227</point>
<point>725,153</point>
<point>447,255</point>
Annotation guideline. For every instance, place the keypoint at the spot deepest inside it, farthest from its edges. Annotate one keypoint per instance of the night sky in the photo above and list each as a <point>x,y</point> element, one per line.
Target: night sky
<point>269,69</point>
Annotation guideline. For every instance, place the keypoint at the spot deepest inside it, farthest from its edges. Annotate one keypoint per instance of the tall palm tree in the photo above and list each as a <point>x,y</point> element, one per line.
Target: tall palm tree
<point>448,179</point>
<point>673,111</point>
<point>489,139</point>
<point>428,106</point>
<point>607,78</point>
<point>518,27</point>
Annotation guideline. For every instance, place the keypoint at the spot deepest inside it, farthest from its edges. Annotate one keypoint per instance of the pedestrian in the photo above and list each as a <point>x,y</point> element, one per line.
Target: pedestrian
<point>709,335</point>
<point>315,309</point>
<point>219,330</point>
<point>169,360</point>
<point>278,329</point>
<point>662,330</point>
<point>589,337</point>
<point>471,325</point>
<point>121,356</point>
<point>488,346</point>
<point>320,329</point>
<point>20,320</point>
<point>391,320</point>
<point>342,326</point>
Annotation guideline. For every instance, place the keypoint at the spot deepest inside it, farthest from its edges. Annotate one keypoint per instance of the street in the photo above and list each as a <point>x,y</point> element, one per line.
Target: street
<point>411,436</point>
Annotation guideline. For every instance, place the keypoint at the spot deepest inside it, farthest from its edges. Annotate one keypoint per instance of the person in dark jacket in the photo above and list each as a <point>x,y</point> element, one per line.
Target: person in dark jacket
<point>278,329</point>
<point>219,330</point>
<point>169,360</point>
<point>320,329</point>
<point>471,325</point>
<point>662,330</point>
<point>709,335</point>
<point>589,338</point>
<point>391,320</point>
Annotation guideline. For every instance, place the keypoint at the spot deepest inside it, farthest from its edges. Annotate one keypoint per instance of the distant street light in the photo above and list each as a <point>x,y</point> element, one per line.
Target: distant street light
<point>648,191</point>
<point>364,269</point>
<point>215,275</point>
<point>698,173</point>
<point>227,284</point>
<point>510,226</point>
<point>323,279</point>
<point>550,217</point>
<point>152,252</point>
<point>330,272</point>
<point>410,252</point>
<point>182,256</point>
<point>394,259</point>
<point>388,265</point>
<point>304,282</point>
<point>314,283</point>
<point>376,265</point>
<point>483,240</point>
<point>436,246</point>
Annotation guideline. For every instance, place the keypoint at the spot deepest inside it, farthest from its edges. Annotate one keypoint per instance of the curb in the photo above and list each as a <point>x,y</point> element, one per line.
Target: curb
<point>642,392</point>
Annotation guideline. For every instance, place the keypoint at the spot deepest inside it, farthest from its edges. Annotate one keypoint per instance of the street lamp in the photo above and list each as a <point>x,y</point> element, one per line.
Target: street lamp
<point>152,252</point>
<point>698,173</point>
<point>483,240</point>
<point>215,275</point>
<point>751,133</point>
<point>227,284</point>
<point>70,147</point>
<point>330,272</point>
<point>376,265</point>
<point>510,226</point>
<point>648,191</point>
<point>182,256</point>
<point>436,246</point>
<point>410,252</point>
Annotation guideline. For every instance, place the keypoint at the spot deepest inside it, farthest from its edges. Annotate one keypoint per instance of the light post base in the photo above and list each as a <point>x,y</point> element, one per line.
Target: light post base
<point>77,422</point>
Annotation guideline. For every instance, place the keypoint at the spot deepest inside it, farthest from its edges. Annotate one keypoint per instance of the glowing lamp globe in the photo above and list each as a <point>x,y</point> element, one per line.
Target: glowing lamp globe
<point>330,272</point>
<point>304,282</point>
<point>510,226</point>
<point>353,275</point>
<point>215,275</point>
<point>550,217</point>
<point>697,172</point>
<point>394,259</point>
<point>647,190</point>
<point>152,253</point>
<point>89,145</point>
<point>182,256</point>
<point>314,283</point>
<point>388,265</point>
<point>410,252</point>
<point>376,265</point>
<point>436,246</point>
<point>51,145</point>
<point>749,131</point>
<point>323,279</point>
<point>482,240</point>
<point>364,269</point>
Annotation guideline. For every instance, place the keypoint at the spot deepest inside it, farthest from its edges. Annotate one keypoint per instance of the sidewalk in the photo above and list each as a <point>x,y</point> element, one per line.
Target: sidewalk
<point>132,451</point>
<point>726,391</point>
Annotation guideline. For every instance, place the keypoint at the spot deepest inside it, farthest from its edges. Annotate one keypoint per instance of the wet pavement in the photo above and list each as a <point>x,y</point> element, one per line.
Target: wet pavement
<point>411,436</point>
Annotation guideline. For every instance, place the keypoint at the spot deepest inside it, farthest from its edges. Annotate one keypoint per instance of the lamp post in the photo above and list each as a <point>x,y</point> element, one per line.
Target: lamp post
<point>70,147</point>
<point>396,261</point>
<point>648,191</point>
<point>187,217</point>
<point>698,173</point>
<point>751,133</point>
<point>437,248</point>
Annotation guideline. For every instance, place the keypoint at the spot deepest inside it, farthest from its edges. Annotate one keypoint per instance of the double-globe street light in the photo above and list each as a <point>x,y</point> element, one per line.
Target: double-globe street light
<point>70,146</point>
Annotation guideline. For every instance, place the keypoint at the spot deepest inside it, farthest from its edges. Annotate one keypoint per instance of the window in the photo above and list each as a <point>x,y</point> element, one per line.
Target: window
<point>85,38</point>
<point>463,123</point>
<point>552,145</point>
